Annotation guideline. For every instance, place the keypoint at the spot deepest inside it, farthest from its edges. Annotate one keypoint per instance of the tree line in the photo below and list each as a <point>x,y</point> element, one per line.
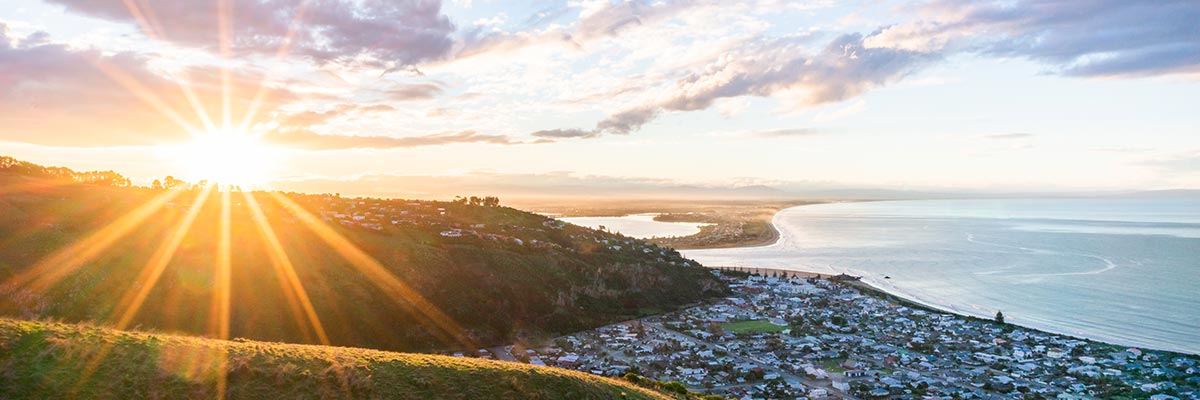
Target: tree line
<point>14,166</point>
<point>105,178</point>
<point>488,201</point>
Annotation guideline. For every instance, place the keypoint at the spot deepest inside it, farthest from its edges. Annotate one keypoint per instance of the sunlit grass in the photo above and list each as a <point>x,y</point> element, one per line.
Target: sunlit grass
<point>42,359</point>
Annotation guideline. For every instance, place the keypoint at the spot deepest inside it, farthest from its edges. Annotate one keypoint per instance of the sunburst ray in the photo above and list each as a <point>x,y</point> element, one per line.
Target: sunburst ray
<point>443,326</point>
<point>132,301</point>
<point>289,281</point>
<point>225,39</point>
<point>55,267</point>
<point>144,15</point>
<point>260,95</point>
<point>147,279</point>
<point>146,95</point>
<point>219,311</point>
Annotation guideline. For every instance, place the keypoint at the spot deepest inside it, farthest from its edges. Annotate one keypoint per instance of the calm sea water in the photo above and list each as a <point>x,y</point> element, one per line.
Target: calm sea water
<point>638,225</point>
<point>1125,271</point>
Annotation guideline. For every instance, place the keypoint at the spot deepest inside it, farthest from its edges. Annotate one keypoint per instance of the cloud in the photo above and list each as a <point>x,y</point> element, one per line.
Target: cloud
<point>308,119</point>
<point>596,20</point>
<point>387,34</point>
<point>1106,38</point>
<point>629,120</point>
<point>309,140</point>
<point>414,91</point>
<point>565,133</point>
<point>1179,163</point>
<point>51,94</point>
<point>842,70</point>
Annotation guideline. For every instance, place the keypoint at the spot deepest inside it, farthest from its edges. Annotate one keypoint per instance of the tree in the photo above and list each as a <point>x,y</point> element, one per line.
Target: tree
<point>157,185</point>
<point>171,183</point>
<point>999,317</point>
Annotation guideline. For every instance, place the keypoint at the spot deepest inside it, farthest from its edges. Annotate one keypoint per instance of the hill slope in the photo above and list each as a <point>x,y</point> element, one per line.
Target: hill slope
<point>47,360</point>
<point>379,273</point>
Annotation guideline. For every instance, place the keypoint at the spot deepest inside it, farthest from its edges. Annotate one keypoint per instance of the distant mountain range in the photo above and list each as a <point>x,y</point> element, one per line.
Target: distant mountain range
<point>567,186</point>
<point>547,186</point>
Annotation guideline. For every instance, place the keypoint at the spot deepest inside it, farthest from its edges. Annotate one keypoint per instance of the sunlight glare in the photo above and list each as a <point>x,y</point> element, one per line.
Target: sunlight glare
<point>227,158</point>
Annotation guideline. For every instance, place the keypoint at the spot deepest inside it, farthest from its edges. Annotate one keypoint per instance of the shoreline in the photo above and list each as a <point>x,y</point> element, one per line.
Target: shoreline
<point>772,238</point>
<point>871,290</point>
<point>914,301</point>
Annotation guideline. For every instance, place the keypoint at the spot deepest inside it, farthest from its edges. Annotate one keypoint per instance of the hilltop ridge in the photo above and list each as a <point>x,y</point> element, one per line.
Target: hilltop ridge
<point>53,360</point>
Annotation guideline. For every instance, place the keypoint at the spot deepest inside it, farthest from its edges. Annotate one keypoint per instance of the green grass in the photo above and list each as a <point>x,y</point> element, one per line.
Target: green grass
<point>834,365</point>
<point>759,326</point>
<point>49,360</point>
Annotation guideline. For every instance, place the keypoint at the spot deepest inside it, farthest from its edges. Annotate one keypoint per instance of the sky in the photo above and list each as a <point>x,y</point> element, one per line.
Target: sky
<point>362,95</point>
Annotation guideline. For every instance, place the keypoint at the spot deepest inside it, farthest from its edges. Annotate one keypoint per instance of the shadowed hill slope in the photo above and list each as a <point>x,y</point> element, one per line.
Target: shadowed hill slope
<point>388,274</point>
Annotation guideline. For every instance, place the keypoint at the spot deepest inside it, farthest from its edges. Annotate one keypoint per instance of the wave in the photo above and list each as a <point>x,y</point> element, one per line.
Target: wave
<point>1109,265</point>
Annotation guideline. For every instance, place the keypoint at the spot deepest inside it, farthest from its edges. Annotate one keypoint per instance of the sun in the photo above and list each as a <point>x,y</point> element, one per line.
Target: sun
<point>226,157</point>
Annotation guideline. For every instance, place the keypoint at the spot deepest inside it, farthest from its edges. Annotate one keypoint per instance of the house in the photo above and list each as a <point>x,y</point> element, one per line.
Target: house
<point>568,361</point>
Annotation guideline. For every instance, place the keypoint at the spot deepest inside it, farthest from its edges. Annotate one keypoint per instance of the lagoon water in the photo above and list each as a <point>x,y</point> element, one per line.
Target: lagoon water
<point>638,225</point>
<point>1120,270</point>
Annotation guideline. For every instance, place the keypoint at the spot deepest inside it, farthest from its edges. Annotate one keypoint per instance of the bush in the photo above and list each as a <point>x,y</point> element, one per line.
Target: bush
<point>673,386</point>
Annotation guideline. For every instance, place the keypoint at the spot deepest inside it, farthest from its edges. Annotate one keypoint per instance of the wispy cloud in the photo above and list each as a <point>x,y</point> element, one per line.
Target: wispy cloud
<point>414,91</point>
<point>1180,163</point>
<point>565,133</point>
<point>54,94</point>
<point>304,139</point>
<point>842,70</point>
<point>1108,38</point>
<point>595,20</point>
<point>386,34</point>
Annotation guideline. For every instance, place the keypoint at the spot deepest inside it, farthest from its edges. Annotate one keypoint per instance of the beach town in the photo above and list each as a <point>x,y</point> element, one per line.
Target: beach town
<point>793,337</point>
<point>788,334</point>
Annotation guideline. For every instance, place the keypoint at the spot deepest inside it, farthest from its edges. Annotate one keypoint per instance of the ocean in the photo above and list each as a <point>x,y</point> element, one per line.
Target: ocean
<point>1124,271</point>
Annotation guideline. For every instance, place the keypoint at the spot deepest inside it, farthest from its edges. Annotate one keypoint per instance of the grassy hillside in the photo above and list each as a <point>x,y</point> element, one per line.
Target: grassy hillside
<point>47,360</point>
<point>495,274</point>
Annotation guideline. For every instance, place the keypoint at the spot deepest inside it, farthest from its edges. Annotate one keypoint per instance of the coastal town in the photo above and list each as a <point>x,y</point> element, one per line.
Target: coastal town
<point>783,335</point>
<point>804,337</point>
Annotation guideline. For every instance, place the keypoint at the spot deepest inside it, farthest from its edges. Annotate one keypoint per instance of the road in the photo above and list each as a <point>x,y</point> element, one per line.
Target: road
<point>503,353</point>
